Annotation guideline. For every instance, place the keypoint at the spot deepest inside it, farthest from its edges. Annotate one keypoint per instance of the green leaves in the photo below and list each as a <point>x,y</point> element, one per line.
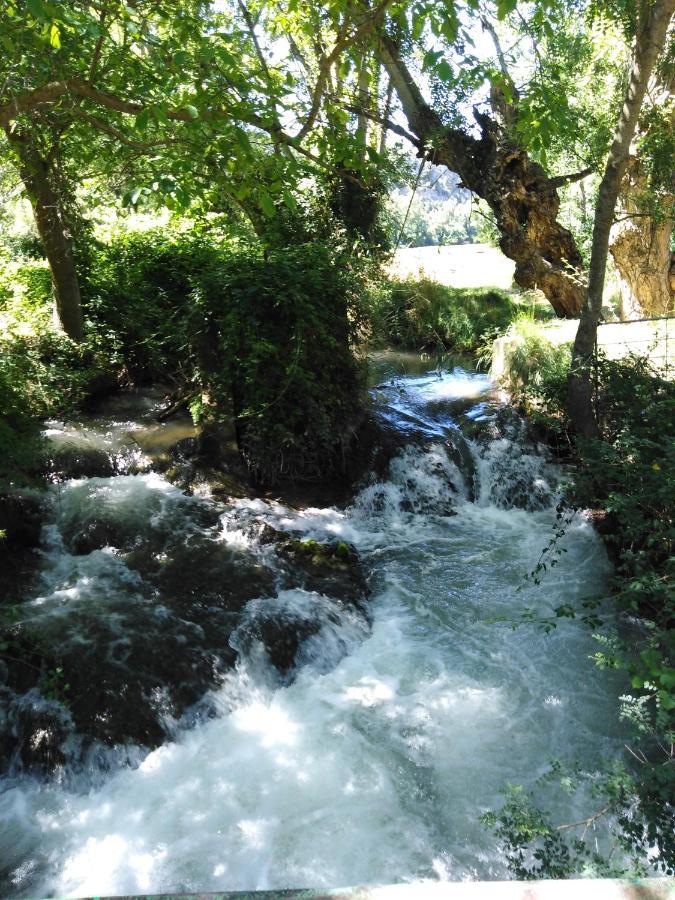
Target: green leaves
<point>505,8</point>
<point>266,203</point>
<point>431,57</point>
<point>37,9</point>
<point>142,119</point>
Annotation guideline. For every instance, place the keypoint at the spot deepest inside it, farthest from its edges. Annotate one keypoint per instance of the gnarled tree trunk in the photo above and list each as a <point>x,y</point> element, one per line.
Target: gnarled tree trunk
<point>523,198</point>
<point>51,225</point>
<point>640,247</point>
<point>640,241</point>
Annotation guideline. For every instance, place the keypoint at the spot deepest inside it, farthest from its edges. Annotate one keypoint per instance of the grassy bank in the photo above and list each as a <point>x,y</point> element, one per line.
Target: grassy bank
<point>418,313</point>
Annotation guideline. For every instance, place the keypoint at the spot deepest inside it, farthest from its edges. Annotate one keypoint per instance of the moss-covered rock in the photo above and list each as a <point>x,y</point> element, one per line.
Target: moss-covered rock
<point>331,568</point>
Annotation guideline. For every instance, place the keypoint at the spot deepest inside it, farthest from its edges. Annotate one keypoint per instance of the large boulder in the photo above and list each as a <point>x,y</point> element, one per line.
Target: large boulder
<point>332,568</point>
<point>78,461</point>
<point>22,515</point>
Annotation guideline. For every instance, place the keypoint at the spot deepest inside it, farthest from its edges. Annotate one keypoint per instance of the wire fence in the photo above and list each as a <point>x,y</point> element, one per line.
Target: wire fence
<point>651,338</point>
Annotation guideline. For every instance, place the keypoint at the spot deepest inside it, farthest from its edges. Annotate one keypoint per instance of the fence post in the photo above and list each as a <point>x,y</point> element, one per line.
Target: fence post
<point>666,351</point>
<point>595,374</point>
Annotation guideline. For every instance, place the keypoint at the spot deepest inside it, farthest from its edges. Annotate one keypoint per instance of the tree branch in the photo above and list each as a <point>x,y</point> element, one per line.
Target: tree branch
<point>96,56</point>
<point>559,180</point>
<point>343,40</point>
<point>501,105</point>
<point>489,27</point>
<point>53,91</point>
<point>385,121</point>
<point>120,136</point>
<point>586,822</point>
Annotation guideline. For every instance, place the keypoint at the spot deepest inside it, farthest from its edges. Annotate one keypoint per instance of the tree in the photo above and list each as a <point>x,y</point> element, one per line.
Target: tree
<point>652,28</point>
<point>495,163</point>
<point>47,191</point>
<point>498,169</point>
<point>56,56</point>
<point>640,239</point>
<point>180,85</point>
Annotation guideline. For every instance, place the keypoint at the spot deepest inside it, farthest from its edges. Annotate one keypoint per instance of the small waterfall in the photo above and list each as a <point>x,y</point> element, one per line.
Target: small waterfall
<point>281,698</point>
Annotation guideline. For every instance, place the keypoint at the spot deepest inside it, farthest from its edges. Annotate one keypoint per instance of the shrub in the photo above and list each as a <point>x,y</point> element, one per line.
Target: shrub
<point>137,293</point>
<point>272,334</point>
<point>266,336</point>
<point>20,444</point>
<point>51,373</point>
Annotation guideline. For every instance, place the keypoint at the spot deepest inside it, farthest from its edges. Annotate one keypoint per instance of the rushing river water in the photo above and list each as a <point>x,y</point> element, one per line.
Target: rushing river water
<point>374,759</point>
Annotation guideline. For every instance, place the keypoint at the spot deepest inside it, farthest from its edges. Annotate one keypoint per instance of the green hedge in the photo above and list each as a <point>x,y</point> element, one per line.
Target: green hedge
<point>273,335</point>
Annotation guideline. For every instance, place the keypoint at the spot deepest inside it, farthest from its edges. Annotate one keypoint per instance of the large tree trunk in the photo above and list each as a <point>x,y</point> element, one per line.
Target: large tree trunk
<point>640,247</point>
<point>640,240</point>
<point>523,198</point>
<point>53,230</point>
<point>648,45</point>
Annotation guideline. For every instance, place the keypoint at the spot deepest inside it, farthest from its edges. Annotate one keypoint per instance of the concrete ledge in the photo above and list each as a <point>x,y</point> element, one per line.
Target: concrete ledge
<point>578,889</point>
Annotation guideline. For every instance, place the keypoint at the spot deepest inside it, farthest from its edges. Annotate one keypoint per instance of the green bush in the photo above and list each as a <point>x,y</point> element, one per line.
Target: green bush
<point>535,365</point>
<point>420,313</point>
<point>629,474</point>
<point>25,296</point>
<point>136,297</point>
<point>50,373</point>
<point>20,443</point>
<point>273,336</point>
<point>265,337</point>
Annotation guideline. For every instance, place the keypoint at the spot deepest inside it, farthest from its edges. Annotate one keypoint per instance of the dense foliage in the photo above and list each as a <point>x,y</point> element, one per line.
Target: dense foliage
<point>419,314</point>
<point>272,335</point>
<point>629,476</point>
<point>263,339</point>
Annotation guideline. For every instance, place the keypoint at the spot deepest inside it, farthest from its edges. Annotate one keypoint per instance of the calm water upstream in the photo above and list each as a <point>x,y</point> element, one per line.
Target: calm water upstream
<point>374,759</point>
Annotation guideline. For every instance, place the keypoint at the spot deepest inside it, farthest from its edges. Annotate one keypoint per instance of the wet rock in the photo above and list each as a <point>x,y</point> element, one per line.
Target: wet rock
<point>332,569</point>
<point>22,515</point>
<point>130,665</point>
<point>281,635</point>
<point>190,470</point>
<point>460,454</point>
<point>33,727</point>
<point>185,449</point>
<point>266,534</point>
<point>203,572</point>
<point>97,534</point>
<point>42,728</point>
<point>331,585</point>
<point>519,471</point>
<point>492,421</point>
<point>79,462</point>
<point>299,628</point>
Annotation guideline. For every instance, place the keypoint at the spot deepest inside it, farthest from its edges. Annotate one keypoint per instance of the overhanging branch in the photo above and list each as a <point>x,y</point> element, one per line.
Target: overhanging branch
<point>560,180</point>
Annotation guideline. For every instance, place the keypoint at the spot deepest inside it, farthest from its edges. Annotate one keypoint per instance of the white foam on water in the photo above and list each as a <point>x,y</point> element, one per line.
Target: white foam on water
<point>372,766</point>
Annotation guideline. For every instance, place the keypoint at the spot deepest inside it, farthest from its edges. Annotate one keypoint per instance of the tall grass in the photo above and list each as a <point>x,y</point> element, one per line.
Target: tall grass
<point>418,313</point>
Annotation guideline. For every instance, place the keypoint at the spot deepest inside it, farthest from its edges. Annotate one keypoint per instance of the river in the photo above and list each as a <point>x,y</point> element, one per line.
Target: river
<point>372,758</point>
